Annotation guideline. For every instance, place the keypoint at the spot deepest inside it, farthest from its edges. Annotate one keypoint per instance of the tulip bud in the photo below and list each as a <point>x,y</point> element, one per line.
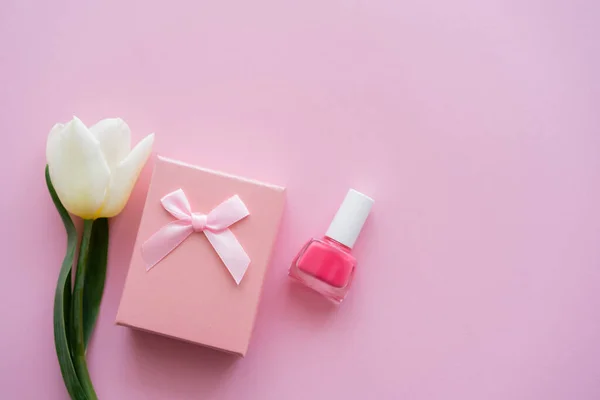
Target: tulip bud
<point>93,169</point>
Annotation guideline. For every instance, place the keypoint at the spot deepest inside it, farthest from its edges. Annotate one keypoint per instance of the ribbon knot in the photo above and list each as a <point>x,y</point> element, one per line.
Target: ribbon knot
<point>214,225</point>
<point>199,222</point>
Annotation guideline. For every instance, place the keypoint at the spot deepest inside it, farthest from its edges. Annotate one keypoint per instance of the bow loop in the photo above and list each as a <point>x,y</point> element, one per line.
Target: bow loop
<point>227,213</point>
<point>177,204</point>
<point>214,225</point>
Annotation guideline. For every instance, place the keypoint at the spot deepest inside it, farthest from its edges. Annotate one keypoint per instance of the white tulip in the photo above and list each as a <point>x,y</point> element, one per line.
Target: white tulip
<point>93,169</point>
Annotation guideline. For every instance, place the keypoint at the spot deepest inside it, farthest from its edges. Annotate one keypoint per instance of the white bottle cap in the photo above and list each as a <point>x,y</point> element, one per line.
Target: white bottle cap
<point>350,218</point>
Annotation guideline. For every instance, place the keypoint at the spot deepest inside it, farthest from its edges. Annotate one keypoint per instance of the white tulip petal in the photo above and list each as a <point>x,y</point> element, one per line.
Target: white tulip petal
<point>114,136</point>
<point>78,170</point>
<point>124,177</point>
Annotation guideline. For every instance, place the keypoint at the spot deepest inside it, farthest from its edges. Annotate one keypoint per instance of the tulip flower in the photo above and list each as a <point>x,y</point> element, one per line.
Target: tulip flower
<point>90,173</point>
<point>93,170</point>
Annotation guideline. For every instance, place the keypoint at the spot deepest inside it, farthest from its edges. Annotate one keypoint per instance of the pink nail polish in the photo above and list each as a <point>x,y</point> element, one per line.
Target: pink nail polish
<point>327,265</point>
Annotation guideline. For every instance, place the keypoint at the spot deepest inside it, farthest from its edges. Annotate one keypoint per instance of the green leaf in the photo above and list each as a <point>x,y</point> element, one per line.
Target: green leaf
<point>95,276</point>
<point>62,302</point>
<point>77,321</point>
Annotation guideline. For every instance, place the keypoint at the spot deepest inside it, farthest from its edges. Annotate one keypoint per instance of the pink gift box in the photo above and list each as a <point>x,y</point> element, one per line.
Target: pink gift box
<point>190,294</point>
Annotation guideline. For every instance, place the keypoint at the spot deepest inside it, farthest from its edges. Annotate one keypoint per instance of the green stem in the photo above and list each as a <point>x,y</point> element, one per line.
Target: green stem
<point>78,338</point>
<point>62,302</point>
<point>95,276</point>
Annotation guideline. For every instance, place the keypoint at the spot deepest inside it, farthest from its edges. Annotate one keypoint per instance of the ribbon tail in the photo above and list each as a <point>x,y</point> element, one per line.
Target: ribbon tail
<point>159,245</point>
<point>231,252</point>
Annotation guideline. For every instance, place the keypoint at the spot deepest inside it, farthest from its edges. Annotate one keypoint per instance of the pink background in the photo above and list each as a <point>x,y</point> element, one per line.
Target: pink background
<point>474,124</point>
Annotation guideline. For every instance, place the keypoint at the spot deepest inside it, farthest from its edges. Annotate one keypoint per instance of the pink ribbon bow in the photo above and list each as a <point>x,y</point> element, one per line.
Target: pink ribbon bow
<point>215,226</point>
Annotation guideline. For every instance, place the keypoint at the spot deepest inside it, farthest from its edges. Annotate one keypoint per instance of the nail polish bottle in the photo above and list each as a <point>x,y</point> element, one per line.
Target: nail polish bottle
<point>327,265</point>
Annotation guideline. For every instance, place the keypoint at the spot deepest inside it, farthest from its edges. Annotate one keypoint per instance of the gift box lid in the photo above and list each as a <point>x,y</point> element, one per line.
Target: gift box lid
<point>190,294</point>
